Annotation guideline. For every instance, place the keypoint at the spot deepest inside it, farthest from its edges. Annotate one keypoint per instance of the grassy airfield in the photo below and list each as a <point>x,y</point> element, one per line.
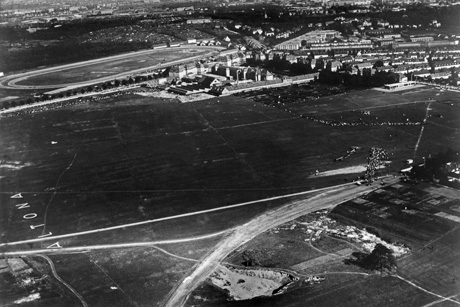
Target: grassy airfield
<point>134,158</point>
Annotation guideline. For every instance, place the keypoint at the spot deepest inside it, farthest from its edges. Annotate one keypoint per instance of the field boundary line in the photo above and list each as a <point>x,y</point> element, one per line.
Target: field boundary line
<point>425,290</point>
<point>438,301</point>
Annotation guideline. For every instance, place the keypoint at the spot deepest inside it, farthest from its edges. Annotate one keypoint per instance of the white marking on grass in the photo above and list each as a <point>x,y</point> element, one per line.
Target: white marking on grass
<point>172,217</point>
<point>86,248</point>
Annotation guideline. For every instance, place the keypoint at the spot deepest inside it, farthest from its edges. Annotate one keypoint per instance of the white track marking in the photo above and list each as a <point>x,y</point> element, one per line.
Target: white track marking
<point>170,217</point>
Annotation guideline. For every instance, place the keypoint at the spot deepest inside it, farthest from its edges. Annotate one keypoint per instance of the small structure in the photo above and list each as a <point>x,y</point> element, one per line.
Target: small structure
<point>204,84</point>
<point>198,21</point>
<point>393,86</point>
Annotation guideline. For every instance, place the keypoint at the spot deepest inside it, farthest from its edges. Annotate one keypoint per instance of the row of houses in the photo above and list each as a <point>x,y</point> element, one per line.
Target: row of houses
<point>412,61</point>
<point>335,65</point>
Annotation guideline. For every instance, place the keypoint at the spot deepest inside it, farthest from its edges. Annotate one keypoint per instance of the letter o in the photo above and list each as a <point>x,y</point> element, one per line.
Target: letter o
<point>29,216</point>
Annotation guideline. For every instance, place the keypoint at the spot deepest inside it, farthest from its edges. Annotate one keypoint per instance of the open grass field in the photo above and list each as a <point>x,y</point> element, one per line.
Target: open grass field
<point>132,276</point>
<point>401,214</point>
<point>336,290</point>
<point>404,107</point>
<point>108,68</point>
<point>145,158</point>
<point>428,273</point>
<point>133,158</point>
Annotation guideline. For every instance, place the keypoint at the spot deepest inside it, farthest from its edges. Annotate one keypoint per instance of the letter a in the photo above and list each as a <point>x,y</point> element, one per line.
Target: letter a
<point>54,245</point>
<point>16,196</point>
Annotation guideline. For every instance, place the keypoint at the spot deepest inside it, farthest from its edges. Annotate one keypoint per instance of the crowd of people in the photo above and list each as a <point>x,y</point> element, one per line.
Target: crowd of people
<point>360,122</point>
<point>374,161</point>
<point>61,104</point>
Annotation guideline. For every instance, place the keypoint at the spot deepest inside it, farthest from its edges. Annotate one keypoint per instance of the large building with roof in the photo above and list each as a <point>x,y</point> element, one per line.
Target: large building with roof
<point>317,36</point>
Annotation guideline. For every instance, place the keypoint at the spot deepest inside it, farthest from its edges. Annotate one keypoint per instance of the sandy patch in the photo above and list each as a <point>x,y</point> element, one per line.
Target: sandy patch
<point>244,284</point>
<point>345,170</point>
<point>366,240</point>
<point>381,89</point>
<point>164,94</point>
<point>27,299</point>
<point>448,216</point>
<point>13,164</point>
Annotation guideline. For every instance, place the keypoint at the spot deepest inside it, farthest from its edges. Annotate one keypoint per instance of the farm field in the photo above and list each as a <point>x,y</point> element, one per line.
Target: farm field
<point>310,246</point>
<point>132,158</point>
<point>109,68</point>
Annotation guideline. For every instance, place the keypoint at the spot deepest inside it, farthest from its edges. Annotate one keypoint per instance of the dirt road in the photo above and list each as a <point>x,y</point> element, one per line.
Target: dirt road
<point>179,216</point>
<point>245,232</point>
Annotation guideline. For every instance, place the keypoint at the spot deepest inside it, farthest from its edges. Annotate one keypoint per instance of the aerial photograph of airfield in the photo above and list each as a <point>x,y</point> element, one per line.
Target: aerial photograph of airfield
<point>228,153</point>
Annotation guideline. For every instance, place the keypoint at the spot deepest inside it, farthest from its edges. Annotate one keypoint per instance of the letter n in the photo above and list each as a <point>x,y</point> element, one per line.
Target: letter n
<point>22,206</point>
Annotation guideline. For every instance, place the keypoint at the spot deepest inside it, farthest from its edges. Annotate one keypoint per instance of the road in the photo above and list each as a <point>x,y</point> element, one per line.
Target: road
<point>246,232</point>
<point>11,80</point>
<point>123,226</point>
<point>233,238</point>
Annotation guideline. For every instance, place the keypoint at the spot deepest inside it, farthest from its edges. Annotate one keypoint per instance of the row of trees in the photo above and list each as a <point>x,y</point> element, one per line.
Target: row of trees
<point>282,65</point>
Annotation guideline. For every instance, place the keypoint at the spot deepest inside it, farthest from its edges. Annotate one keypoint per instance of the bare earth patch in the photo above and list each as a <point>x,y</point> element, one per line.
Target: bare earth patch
<point>244,284</point>
<point>164,94</point>
<point>344,170</point>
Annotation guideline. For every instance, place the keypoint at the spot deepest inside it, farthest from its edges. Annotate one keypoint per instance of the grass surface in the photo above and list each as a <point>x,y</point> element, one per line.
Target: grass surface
<point>133,158</point>
<point>104,69</point>
<point>432,264</point>
<point>146,159</point>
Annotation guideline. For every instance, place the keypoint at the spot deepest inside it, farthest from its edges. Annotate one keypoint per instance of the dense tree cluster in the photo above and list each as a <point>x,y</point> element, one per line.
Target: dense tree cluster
<point>380,259</point>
